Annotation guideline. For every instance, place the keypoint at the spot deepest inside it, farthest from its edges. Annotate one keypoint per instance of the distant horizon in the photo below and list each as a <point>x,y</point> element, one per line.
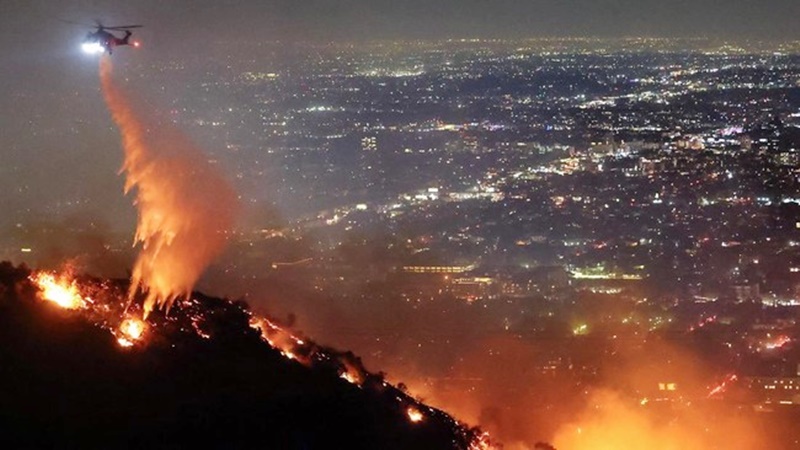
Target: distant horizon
<point>412,19</point>
<point>477,39</point>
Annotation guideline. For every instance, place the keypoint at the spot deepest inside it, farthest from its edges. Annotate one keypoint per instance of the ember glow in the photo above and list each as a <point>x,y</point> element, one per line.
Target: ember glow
<point>722,387</point>
<point>186,209</point>
<point>59,289</point>
<point>283,340</point>
<point>777,342</point>
<point>703,322</point>
<point>611,423</point>
<point>483,442</point>
<point>130,331</point>
<point>352,375</point>
<point>414,415</point>
<point>63,290</point>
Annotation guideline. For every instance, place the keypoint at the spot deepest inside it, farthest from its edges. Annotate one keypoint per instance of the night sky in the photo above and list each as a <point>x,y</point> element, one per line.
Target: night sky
<point>357,19</point>
<point>57,137</point>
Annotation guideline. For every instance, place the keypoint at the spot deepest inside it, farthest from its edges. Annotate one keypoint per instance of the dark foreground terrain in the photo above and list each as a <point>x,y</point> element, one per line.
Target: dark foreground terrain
<point>66,382</point>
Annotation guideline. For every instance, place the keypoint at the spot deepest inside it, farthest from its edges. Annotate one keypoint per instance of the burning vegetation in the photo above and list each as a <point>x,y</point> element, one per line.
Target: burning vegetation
<point>219,348</point>
<point>130,331</point>
<point>59,289</point>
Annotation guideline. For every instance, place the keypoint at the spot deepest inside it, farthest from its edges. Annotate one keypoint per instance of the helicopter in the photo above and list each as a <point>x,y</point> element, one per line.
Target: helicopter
<point>102,40</point>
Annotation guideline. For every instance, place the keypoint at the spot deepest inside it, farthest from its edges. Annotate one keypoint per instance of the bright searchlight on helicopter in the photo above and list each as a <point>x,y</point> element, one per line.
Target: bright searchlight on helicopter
<point>92,48</point>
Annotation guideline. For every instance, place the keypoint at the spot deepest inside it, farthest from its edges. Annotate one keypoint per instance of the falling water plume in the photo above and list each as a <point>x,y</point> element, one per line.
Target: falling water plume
<point>186,209</point>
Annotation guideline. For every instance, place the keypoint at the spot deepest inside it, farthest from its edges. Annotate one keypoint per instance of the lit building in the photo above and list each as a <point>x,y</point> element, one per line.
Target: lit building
<point>369,144</point>
<point>776,390</point>
<point>473,288</point>
<point>437,269</point>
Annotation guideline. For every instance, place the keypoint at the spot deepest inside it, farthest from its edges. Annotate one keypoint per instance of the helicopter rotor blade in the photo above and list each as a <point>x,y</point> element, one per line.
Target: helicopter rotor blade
<point>82,24</point>
<point>123,27</point>
<point>99,25</point>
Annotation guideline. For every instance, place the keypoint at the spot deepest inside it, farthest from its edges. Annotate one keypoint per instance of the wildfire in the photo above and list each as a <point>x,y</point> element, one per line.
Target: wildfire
<point>703,322</point>
<point>280,339</point>
<point>777,342</point>
<point>130,331</point>
<point>352,376</point>
<point>723,386</point>
<point>110,306</point>
<point>612,422</point>
<point>199,329</point>
<point>414,415</point>
<point>59,290</point>
<point>64,291</point>
<point>482,442</point>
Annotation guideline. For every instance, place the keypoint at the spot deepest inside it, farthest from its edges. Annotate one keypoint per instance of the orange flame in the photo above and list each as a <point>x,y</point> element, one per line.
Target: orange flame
<point>483,442</point>
<point>352,375</point>
<point>723,386</point>
<point>278,338</point>
<point>186,208</point>
<point>59,290</point>
<point>414,415</point>
<point>130,330</point>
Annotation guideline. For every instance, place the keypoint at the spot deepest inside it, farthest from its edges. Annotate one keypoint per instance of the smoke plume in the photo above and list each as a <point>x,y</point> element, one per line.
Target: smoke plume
<point>185,207</point>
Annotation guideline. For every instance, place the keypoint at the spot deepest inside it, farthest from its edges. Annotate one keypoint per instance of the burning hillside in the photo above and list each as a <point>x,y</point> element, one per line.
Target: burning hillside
<point>81,367</point>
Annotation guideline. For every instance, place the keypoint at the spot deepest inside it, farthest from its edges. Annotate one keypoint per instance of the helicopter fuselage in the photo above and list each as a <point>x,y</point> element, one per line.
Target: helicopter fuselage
<point>105,41</point>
